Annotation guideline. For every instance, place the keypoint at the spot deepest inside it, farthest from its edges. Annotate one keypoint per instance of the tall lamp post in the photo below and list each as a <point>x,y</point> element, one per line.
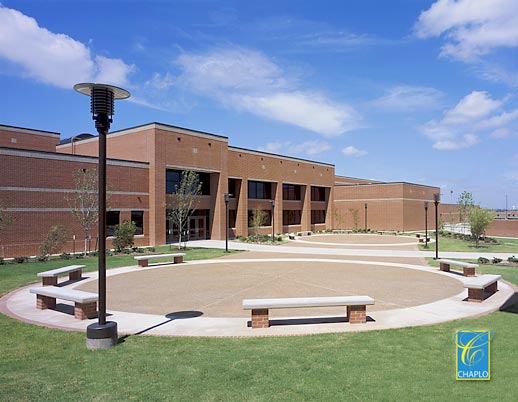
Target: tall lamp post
<point>102,334</point>
<point>436,202</point>
<point>426,224</point>
<point>365,217</point>
<point>227,199</point>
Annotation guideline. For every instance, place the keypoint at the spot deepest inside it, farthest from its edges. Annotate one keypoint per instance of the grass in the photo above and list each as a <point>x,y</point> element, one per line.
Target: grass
<point>407,364</point>
<point>448,244</point>
<point>13,276</point>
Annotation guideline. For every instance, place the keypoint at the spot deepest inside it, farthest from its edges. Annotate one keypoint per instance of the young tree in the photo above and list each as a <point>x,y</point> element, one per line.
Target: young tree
<point>257,220</point>
<point>464,204</point>
<point>337,219</point>
<point>355,214</point>
<point>54,242</point>
<point>183,203</point>
<point>479,220</point>
<point>124,235</point>
<point>5,218</point>
<point>84,200</point>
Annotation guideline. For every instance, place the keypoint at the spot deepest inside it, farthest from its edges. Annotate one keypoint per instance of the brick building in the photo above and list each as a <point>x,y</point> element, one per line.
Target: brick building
<point>145,163</point>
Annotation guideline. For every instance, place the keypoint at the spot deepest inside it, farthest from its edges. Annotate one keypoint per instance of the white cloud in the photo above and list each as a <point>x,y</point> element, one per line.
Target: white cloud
<point>467,141</point>
<point>409,98</point>
<point>247,80</point>
<point>353,151</point>
<point>160,82</point>
<point>54,58</point>
<point>472,28</point>
<point>309,148</point>
<point>476,113</point>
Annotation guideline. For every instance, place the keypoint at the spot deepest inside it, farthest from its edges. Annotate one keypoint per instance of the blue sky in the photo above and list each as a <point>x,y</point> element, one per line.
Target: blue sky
<point>408,90</point>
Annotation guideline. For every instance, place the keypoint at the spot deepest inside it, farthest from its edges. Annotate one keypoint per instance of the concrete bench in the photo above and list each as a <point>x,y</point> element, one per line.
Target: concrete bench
<point>342,231</point>
<point>50,278</point>
<point>392,232</point>
<point>356,307</point>
<point>85,303</point>
<point>291,236</point>
<point>468,269</point>
<point>144,259</point>
<point>423,238</point>
<point>305,233</point>
<point>478,287</point>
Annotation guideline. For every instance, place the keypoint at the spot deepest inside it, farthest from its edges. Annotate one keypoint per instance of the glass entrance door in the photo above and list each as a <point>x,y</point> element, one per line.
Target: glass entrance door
<point>197,228</point>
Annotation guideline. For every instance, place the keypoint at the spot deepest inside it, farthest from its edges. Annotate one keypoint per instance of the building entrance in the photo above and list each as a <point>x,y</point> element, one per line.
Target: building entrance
<point>196,229</point>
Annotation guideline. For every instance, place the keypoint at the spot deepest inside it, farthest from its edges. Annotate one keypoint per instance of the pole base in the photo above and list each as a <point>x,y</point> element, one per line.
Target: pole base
<point>101,336</point>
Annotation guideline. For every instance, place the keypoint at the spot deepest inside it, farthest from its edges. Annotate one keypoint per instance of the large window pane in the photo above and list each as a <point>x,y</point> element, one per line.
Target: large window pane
<point>138,218</point>
<point>112,219</point>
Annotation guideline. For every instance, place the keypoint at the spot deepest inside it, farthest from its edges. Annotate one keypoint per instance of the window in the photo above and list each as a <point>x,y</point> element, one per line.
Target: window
<point>318,193</point>
<point>233,188</point>
<point>174,177</point>
<point>318,216</point>
<point>267,218</point>
<point>291,192</point>
<point>259,190</point>
<point>291,217</point>
<point>112,219</point>
<point>138,218</point>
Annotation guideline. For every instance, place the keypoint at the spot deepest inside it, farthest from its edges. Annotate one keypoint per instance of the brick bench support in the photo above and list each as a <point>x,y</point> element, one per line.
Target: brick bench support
<point>260,318</point>
<point>357,314</point>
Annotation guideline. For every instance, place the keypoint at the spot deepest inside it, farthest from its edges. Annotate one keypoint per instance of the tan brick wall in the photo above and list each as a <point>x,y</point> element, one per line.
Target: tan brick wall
<point>505,228</point>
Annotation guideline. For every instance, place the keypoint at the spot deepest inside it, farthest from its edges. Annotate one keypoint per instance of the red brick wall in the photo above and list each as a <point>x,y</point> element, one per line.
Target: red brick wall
<point>14,137</point>
<point>505,228</point>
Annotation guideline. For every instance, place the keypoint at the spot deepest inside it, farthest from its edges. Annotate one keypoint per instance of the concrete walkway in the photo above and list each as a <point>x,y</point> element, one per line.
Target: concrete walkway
<point>234,245</point>
<point>193,322</point>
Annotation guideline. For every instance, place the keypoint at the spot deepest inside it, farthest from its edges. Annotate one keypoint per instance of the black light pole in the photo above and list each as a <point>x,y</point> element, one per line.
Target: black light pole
<point>365,217</point>
<point>426,224</point>
<point>273,220</point>
<point>227,199</point>
<point>103,334</point>
<point>436,202</point>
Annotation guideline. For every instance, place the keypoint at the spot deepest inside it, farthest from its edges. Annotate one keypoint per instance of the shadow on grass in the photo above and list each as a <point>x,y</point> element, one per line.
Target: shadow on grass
<point>177,315</point>
<point>511,305</point>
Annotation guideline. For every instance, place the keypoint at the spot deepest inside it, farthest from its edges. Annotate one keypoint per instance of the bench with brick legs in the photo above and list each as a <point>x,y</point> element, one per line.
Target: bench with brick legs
<point>304,233</point>
<point>143,259</point>
<point>50,278</point>
<point>480,286</point>
<point>356,307</point>
<point>85,302</point>
<point>342,231</point>
<point>392,232</point>
<point>467,268</point>
<point>423,238</point>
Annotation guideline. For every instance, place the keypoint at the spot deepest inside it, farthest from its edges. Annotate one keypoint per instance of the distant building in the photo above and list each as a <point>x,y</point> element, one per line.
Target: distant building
<point>146,162</point>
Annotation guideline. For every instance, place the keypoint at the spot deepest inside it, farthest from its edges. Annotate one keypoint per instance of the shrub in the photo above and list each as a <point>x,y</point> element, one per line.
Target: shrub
<point>65,256</point>
<point>124,235</point>
<point>2,262</point>
<point>482,260</point>
<point>496,260</point>
<point>55,240</point>
<point>21,260</point>
<point>42,258</point>
<point>512,259</point>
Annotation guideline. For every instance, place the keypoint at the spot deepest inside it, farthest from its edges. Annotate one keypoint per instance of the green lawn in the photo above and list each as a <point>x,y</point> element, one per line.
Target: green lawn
<point>447,244</point>
<point>412,364</point>
<point>13,276</point>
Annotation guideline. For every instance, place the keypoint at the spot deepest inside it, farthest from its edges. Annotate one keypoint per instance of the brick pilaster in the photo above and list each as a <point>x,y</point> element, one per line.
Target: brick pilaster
<point>83,311</point>
<point>357,314</point>
<point>49,281</point>
<point>260,318</point>
<point>44,302</point>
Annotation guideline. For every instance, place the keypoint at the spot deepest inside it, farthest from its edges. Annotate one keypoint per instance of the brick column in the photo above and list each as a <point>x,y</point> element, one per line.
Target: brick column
<point>492,288</point>
<point>242,209</point>
<point>357,314</point>
<point>260,318</point>
<point>83,311</point>
<point>44,302</point>
<point>75,276</point>
<point>445,267</point>
<point>469,271</point>
<point>49,281</point>
<point>305,222</point>
<point>475,295</point>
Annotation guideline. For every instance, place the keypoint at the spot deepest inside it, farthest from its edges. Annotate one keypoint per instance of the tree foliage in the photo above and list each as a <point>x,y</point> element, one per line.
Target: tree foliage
<point>124,235</point>
<point>54,242</point>
<point>257,220</point>
<point>183,202</point>
<point>5,218</point>
<point>355,213</point>
<point>479,220</point>
<point>464,204</point>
